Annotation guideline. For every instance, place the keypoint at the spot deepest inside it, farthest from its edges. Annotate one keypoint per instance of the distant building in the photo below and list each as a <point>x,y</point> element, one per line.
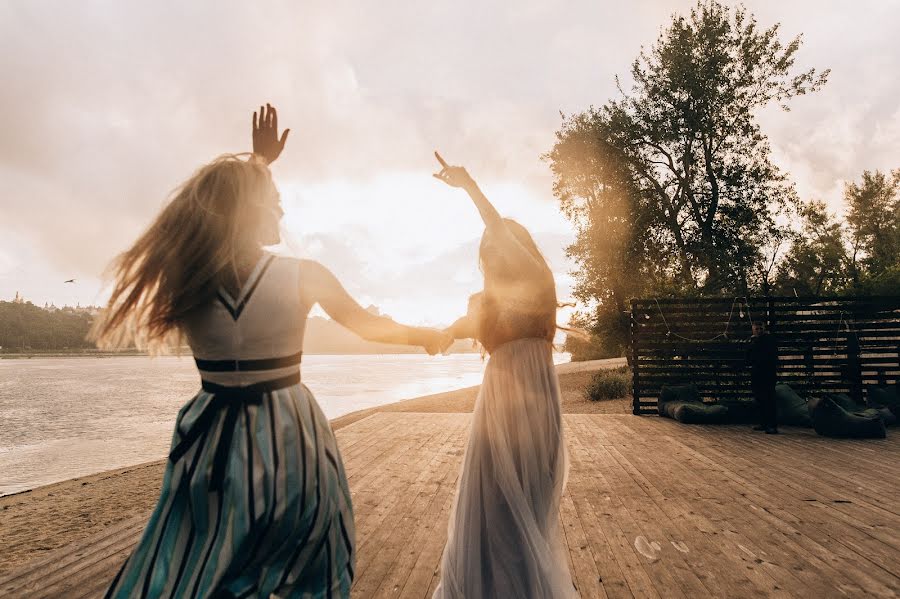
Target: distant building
<point>92,310</point>
<point>18,299</point>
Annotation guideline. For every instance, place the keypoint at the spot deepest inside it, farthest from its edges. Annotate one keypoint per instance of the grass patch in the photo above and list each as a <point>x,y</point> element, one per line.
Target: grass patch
<point>610,384</point>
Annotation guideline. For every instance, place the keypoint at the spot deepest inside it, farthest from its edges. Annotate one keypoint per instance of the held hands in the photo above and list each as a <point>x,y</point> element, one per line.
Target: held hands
<point>435,341</point>
<point>454,176</point>
<point>266,144</point>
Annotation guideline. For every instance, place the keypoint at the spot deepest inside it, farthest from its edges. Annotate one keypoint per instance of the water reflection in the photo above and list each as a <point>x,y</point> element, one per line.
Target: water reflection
<point>67,417</point>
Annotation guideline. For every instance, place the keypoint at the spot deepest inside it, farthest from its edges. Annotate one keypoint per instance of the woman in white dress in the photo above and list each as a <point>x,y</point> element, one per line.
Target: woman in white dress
<point>254,500</point>
<point>504,539</point>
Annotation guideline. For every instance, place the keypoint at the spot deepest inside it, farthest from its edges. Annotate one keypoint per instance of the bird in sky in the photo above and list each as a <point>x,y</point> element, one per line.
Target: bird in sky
<point>69,281</point>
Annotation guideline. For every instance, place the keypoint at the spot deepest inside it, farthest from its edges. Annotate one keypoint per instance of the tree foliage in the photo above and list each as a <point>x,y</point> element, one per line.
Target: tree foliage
<point>24,326</point>
<point>873,218</point>
<point>818,261</point>
<point>671,186</point>
<point>860,255</point>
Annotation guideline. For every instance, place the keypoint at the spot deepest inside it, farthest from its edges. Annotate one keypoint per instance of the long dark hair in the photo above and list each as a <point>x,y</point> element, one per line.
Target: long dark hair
<point>541,311</point>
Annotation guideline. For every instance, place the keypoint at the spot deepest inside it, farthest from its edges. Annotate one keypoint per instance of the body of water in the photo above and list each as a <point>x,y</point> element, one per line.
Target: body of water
<point>62,418</point>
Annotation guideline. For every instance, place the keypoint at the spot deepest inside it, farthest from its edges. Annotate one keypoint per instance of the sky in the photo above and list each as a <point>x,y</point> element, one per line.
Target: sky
<point>107,106</point>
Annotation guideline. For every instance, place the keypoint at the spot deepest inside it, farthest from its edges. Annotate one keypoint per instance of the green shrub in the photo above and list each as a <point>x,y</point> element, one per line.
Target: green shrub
<point>610,384</point>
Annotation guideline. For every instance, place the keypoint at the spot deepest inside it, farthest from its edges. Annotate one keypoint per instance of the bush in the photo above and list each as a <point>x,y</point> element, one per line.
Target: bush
<point>610,384</point>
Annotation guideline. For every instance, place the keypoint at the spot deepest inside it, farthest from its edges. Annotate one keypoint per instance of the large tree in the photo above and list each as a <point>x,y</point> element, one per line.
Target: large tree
<point>817,263</point>
<point>873,217</point>
<point>681,155</point>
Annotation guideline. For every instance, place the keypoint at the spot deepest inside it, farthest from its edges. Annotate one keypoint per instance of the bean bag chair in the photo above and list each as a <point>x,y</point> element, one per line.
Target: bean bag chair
<point>887,417</point>
<point>845,401</point>
<point>875,409</point>
<point>683,403</point>
<point>688,412</point>
<point>831,420</point>
<point>884,397</point>
<point>740,411</point>
<point>677,393</point>
<point>791,408</point>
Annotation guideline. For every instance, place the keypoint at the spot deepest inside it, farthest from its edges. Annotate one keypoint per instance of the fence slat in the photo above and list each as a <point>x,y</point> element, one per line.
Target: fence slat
<point>825,344</point>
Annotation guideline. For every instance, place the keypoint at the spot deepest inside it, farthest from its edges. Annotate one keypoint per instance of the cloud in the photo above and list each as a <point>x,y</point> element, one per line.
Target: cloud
<point>431,291</point>
<point>106,106</point>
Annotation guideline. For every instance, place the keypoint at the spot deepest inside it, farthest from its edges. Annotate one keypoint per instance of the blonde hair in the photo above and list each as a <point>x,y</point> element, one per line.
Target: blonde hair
<point>179,262</point>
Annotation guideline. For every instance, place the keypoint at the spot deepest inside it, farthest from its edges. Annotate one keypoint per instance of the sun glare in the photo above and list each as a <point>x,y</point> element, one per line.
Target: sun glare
<point>407,244</point>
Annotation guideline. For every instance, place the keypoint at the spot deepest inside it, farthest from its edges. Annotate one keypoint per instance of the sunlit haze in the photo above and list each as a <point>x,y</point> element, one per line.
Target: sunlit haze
<point>106,106</point>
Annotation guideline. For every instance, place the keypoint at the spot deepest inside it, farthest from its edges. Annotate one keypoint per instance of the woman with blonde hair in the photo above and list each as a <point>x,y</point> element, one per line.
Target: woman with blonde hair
<point>254,499</point>
<point>503,536</point>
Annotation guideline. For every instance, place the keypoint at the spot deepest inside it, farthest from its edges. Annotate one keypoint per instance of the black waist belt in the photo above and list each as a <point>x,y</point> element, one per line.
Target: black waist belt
<point>245,365</point>
<point>232,400</point>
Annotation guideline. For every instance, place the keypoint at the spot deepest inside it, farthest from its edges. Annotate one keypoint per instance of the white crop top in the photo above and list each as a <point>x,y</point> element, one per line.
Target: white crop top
<point>256,336</point>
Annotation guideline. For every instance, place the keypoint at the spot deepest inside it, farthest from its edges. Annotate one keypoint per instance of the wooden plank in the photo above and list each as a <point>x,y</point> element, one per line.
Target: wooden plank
<point>424,473</point>
<point>741,540</point>
<point>610,576</point>
<point>87,573</point>
<point>376,496</point>
<point>446,465</point>
<point>423,578</point>
<point>371,448</point>
<point>688,536</point>
<point>778,504</point>
<point>752,492</point>
<point>838,462</point>
<point>765,305</point>
<point>621,571</point>
<point>831,324</point>
<point>830,484</point>
<point>582,567</point>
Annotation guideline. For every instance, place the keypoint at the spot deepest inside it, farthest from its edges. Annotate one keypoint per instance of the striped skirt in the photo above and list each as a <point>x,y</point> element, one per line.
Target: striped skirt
<point>254,502</point>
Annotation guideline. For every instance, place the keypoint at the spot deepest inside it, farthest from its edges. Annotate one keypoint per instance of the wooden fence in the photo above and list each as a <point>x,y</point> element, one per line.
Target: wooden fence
<point>825,344</point>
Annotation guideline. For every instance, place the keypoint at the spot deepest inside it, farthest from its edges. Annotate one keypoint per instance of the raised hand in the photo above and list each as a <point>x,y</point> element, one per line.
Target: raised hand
<point>454,176</point>
<point>266,144</point>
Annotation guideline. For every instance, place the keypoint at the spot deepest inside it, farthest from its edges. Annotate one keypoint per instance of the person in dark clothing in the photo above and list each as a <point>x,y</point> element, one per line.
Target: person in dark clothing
<point>762,356</point>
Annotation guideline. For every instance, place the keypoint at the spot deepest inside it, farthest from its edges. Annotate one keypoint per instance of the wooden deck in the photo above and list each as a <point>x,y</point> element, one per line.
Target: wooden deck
<point>652,509</point>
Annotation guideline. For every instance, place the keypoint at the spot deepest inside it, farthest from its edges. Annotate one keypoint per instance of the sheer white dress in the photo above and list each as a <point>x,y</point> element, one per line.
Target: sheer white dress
<point>504,539</point>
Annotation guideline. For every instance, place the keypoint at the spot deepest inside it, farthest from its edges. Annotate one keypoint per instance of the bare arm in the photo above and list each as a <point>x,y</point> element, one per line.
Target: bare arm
<point>514,253</point>
<point>463,327</point>
<point>466,327</point>
<point>457,176</point>
<point>327,291</point>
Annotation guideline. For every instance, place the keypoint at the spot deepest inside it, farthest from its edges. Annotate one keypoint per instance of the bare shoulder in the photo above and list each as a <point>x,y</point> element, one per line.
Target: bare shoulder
<point>318,284</point>
<point>314,280</point>
<point>313,272</point>
<point>310,267</point>
<point>476,301</point>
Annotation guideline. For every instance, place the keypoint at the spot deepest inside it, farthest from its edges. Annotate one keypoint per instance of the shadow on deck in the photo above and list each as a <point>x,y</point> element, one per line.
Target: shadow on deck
<point>652,509</point>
